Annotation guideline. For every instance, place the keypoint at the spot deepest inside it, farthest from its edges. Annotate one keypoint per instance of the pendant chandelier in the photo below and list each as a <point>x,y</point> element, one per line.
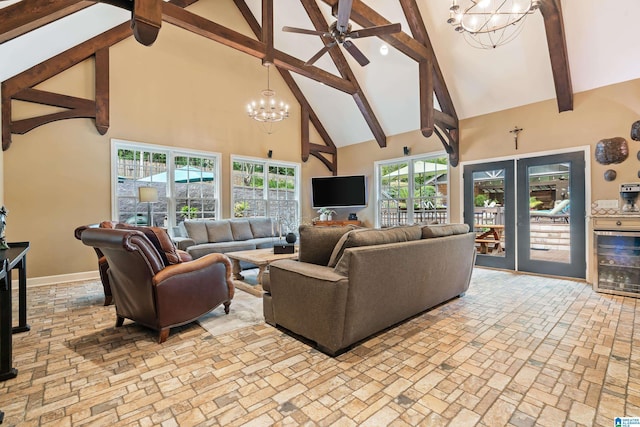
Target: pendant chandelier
<point>487,24</point>
<point>268,110</point>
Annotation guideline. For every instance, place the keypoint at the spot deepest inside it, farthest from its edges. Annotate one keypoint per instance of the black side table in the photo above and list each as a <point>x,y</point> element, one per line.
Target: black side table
<point>14,257</point>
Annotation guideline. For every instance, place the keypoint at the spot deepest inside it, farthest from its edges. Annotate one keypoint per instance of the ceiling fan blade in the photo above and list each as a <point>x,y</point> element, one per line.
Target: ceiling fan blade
<point>305,31</point>
<point>344,12</point>
<point>355,52</point>
<point>375,31</point>
<point>321,52</point>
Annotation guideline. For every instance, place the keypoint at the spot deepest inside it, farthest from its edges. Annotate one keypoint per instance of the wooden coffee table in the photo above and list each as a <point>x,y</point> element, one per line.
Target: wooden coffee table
<point>260,257</point>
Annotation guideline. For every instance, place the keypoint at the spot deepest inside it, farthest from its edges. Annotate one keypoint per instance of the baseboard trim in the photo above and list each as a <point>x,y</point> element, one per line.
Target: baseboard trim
<point>33,282</point>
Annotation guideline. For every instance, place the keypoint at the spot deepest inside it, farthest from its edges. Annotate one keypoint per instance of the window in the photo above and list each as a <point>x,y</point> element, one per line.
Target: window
<point>412,190</point>
<point>266,188</point>
<point>187,183</point>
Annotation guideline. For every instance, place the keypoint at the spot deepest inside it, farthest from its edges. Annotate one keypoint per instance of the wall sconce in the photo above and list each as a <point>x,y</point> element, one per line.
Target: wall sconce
<point>270,153</point>
<point>406,150</point>
<point>148,195</point>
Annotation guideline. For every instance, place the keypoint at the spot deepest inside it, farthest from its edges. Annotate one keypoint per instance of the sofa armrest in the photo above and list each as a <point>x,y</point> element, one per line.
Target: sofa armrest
<point>183,243</point>
<point>309,300</point>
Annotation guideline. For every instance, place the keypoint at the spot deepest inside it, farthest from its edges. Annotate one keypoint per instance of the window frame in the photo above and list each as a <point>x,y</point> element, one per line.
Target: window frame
<point>171,153</point>
<point>266,163</point>
<point>409,160</point>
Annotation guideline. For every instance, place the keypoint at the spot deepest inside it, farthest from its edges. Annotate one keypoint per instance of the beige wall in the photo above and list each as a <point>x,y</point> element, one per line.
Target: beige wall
<point>601,113</point>
<point>184,91</point>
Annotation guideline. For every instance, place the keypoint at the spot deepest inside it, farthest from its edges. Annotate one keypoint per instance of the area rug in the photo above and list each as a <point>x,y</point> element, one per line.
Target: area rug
<point>245,310</point>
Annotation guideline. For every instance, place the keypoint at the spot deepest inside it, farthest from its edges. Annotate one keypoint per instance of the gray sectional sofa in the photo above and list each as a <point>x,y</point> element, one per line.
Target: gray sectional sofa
<point>350,284</point>
<point>201,237</point>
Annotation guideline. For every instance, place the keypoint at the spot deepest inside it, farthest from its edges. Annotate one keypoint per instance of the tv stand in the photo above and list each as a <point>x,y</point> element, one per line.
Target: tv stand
<point>338,223</point>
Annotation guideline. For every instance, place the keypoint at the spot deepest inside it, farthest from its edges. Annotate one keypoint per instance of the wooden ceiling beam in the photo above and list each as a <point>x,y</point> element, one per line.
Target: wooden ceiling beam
<point>211,30</point>
<point>55,65</point>
<point>267,31</point>
<point>364,16</point>
<point>320,24</point>
<point>146,20</point>
<point>25,16</point>
<point>307,114</point>
<point>554,26</point>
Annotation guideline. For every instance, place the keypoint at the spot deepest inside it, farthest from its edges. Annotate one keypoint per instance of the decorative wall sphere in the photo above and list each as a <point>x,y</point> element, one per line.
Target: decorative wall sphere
<point>610,175</point>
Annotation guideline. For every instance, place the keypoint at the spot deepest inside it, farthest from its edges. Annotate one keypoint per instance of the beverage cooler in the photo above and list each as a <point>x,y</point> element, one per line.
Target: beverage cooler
<point>618,262</point>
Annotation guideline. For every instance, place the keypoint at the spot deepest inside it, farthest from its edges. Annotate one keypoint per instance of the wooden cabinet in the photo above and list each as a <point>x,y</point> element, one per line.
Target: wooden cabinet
<point>330,223</point>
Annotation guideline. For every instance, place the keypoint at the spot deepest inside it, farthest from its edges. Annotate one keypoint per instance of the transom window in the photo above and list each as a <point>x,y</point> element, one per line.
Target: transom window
<point>412,190</point>
<point>187,183</point>
<point>266,188</point>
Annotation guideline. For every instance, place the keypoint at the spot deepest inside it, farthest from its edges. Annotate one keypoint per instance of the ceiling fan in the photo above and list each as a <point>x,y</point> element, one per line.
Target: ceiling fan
<point>340,31</point>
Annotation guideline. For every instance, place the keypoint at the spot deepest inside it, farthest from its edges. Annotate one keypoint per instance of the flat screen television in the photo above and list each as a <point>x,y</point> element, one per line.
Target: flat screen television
<point>339,191</point>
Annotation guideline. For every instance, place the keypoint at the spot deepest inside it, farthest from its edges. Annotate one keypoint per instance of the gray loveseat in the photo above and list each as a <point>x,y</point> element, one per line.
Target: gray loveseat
<point>351,284</point>
<point>201,237</point>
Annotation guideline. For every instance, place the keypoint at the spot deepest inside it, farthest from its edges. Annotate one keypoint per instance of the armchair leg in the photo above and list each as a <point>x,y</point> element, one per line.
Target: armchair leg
<point>226,307</point>
<point>164,334</point>
<point>119,321</point>
<point>108,300</point>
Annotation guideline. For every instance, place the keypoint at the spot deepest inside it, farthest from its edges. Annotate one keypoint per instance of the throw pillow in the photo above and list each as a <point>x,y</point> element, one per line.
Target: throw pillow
<point>241,230</point>
<point>219,231</point>
<point>262,227</point>
<point>442,230</point>
<point>317,243</point>
<point>160,239</point>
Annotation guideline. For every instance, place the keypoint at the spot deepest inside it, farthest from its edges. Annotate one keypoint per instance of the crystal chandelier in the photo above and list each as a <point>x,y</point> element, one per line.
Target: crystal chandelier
<point>487,24</point>
<point>268,111</point>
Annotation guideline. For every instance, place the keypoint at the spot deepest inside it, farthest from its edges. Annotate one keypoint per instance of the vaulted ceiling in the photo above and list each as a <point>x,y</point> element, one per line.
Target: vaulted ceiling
<point>601,49</point>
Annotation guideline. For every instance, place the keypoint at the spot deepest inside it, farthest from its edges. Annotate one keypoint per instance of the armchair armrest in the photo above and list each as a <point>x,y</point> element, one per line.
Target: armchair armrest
<point>193,286</point>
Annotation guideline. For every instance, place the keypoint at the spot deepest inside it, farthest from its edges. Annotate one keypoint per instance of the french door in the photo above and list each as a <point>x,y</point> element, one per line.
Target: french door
<point>529,214</point>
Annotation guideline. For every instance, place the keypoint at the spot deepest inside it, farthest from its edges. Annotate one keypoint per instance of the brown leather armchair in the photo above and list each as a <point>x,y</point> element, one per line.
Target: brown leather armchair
<point>103,265</point>
<point>152,294</point>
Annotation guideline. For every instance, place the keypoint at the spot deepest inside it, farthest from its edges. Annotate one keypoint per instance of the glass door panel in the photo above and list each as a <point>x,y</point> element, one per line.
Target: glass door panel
<point>489,211</point>
<point>551,209</point>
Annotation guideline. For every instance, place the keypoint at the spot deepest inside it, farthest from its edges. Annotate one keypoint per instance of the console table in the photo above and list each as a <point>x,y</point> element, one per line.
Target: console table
<point>333,223</point>
<point>14,257</point>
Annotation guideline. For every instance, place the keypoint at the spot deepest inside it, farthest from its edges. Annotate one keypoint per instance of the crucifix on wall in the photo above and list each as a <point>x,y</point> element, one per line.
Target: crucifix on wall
<point>515,131</point>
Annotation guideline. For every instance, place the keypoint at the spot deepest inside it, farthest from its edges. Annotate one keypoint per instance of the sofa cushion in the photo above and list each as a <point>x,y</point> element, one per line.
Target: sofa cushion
<point>160,239</point>
<point>442,230</point>
<point>371,236</point>
<point>261,227</point>
<point>197,231</point>
<point>219,231</point>
<point>198,251</point>
<point>241,230</point>
<point>317,243</point>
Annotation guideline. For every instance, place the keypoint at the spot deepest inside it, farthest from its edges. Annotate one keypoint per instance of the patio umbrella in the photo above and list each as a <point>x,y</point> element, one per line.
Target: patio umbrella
<point>419,167</point>
<point>183,174</point>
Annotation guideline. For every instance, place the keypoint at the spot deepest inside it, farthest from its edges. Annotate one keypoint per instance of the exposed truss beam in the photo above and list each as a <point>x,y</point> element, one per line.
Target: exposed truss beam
<point>209,29</point>
<point>22,17</point>
<point>146,20</point>
<point>267,31</point>
<point>432,80</point>
<point>554,27</point>
<point>21,86</point>
<point>307,113</point>
<point>320,24</point>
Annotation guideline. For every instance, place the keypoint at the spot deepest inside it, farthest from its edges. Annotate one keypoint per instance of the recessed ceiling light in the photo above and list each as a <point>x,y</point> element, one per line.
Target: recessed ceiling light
<point>384,49</point>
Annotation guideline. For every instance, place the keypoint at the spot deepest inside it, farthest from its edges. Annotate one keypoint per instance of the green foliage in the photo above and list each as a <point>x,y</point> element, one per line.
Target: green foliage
<point>189,212</point>
<point>479,200</point>
<point>239,209</point>
<point>534,203</point>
